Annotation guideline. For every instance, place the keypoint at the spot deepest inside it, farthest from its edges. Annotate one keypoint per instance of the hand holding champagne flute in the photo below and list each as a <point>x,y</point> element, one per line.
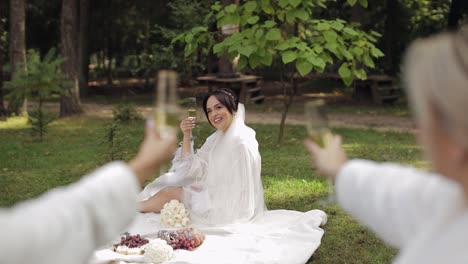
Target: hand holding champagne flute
<point>166,112</point>
<point>192,112</point>
<point>318,131</point>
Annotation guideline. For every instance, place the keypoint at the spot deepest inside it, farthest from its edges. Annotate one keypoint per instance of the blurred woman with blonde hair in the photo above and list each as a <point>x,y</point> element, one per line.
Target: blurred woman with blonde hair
<point>424,214</point>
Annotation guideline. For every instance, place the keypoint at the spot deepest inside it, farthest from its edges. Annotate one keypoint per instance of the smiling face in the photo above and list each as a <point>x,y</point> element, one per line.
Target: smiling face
<point>218,115</point>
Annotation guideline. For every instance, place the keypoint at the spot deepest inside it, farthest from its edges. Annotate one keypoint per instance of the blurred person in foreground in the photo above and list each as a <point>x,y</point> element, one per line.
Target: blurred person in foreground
<point>423,214</point>
<point>67,224</point>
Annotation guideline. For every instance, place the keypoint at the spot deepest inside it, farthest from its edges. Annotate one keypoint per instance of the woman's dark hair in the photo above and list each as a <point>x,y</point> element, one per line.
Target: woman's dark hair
<point>226,97</point>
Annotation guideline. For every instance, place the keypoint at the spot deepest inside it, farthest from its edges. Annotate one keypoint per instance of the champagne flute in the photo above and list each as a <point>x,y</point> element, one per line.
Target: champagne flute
<point>319,132</point>
<point>192,112</point>
<point>166,112</point>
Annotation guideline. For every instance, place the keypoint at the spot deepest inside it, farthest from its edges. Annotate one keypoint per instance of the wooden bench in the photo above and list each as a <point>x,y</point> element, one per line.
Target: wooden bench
<point>377,88</point>
<point>247,87</point>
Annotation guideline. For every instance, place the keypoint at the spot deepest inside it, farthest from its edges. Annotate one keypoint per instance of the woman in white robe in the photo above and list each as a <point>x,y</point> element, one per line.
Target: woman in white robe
<point>423,214</point>
<point>219,183</point>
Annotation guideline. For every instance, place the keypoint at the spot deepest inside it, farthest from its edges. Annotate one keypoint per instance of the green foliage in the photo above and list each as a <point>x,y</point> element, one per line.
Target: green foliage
<point>39,119</point>
<point>114,142</point>
<point>40,79</point>
<point>125,113</point>
<point>163,53</point>
<point>286,30</point>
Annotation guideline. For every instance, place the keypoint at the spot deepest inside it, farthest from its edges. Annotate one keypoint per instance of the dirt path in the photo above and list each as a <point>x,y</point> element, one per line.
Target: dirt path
<point>377,122</point>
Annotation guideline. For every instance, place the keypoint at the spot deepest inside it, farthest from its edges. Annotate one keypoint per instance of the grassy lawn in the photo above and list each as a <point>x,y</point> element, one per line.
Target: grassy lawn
<point>73,147</point>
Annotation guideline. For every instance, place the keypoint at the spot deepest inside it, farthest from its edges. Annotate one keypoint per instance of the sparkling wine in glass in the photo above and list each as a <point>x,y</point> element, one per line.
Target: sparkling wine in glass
<point>166,114</point>
<point>192,112</point>
<point>166,111</point>
<point>319,132</point>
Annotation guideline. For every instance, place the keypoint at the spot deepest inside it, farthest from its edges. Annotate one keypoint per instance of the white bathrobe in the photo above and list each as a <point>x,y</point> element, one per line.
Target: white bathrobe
<point>67,224</point>
<point>222,180</point>
<point>424,215</point>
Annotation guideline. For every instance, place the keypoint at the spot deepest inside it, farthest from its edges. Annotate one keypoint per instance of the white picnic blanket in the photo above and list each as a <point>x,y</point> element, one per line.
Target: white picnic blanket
<point>277,236</point>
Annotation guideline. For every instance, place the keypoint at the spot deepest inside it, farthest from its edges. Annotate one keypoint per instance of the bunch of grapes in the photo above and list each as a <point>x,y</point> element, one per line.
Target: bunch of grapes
<point>131,241</point>
<point>186,238</point>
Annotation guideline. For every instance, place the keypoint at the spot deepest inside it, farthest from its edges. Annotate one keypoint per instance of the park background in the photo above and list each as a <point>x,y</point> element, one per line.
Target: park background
<point>78,79</point>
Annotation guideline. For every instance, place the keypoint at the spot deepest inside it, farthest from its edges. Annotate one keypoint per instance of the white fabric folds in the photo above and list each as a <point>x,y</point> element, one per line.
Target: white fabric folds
<point>274,237</point>
<point>221,181</point>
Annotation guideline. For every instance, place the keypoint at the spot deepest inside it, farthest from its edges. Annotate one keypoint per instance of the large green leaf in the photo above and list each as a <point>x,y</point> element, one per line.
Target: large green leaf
<point>252,20</point>
<point>250,6</point>
<point>295,3</point>
<point>231,8</point>
<point>363,3</point>
<point>259,33</point>
<point>323,26</point>
<point>247,50</point>
<point>357,51</point>
<point>266,7</point>
<point>269,23</point>
<point>283,3</point>
<point>254,61</point>
<point>350,31</point>
<point>267,59</point>
<point>242,62</point>
<point>288,56</point>
<point>376,53</point>
<point>352,2</point>
<point>368,61</point>
<point>303,66</point>
<point>189,37</point>
<point>330,36</point>
<point>273,34</point>
<point>360,73</point>
<point>283,45</point>
<point>344,71</point>
<point>316,61</point>
<point>337,25</point>
<point>302,14</point>
<point>218,48</point>
<point>348,80</point>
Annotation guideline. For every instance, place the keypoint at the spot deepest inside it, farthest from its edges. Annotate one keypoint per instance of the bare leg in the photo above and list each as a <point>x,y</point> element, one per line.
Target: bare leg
<point>156,203</point>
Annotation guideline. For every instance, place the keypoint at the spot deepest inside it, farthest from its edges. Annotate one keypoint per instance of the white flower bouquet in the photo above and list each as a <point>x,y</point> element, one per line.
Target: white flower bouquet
<point>175,215</point>
<point>157,251</point>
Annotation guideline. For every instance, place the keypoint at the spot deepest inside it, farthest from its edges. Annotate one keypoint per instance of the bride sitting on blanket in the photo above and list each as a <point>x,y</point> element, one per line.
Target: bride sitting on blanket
<point>220,182</point>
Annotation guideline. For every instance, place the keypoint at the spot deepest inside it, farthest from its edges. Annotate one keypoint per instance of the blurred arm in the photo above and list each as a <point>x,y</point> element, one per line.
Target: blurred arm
<point>395,201</point>
<point>67,224</point>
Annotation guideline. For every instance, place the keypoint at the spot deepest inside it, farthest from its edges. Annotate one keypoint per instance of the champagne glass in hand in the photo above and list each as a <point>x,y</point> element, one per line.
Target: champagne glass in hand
<point>166,112</point>
<point>318,131</point>
<point>192,112</point>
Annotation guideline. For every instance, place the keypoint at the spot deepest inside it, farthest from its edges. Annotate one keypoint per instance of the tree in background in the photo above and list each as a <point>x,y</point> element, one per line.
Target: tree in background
<point>83,47</point>
<point>3,58</point>
<point>70,99</point>
<point>37,81</point>
<point>17,49</point>
<point>286,31</point>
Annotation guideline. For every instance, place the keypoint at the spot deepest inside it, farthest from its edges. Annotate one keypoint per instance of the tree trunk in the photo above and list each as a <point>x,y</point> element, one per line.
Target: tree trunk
<point>109,44</point>
<point>457,7</point>
<point>83,51</point>
<point>225,66</point>
<point>17,47</point>
<point>70,100</point>
<point>3,111</point>
<point>287,100</point>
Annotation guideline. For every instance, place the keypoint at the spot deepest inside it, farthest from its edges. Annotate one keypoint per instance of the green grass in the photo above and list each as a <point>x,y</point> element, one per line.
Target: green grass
<point>297,107</point>
<point>72,148</point>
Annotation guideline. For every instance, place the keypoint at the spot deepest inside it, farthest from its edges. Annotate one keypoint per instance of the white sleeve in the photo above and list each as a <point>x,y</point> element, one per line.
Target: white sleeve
<point>67,224</point>
<point>393,200</point>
